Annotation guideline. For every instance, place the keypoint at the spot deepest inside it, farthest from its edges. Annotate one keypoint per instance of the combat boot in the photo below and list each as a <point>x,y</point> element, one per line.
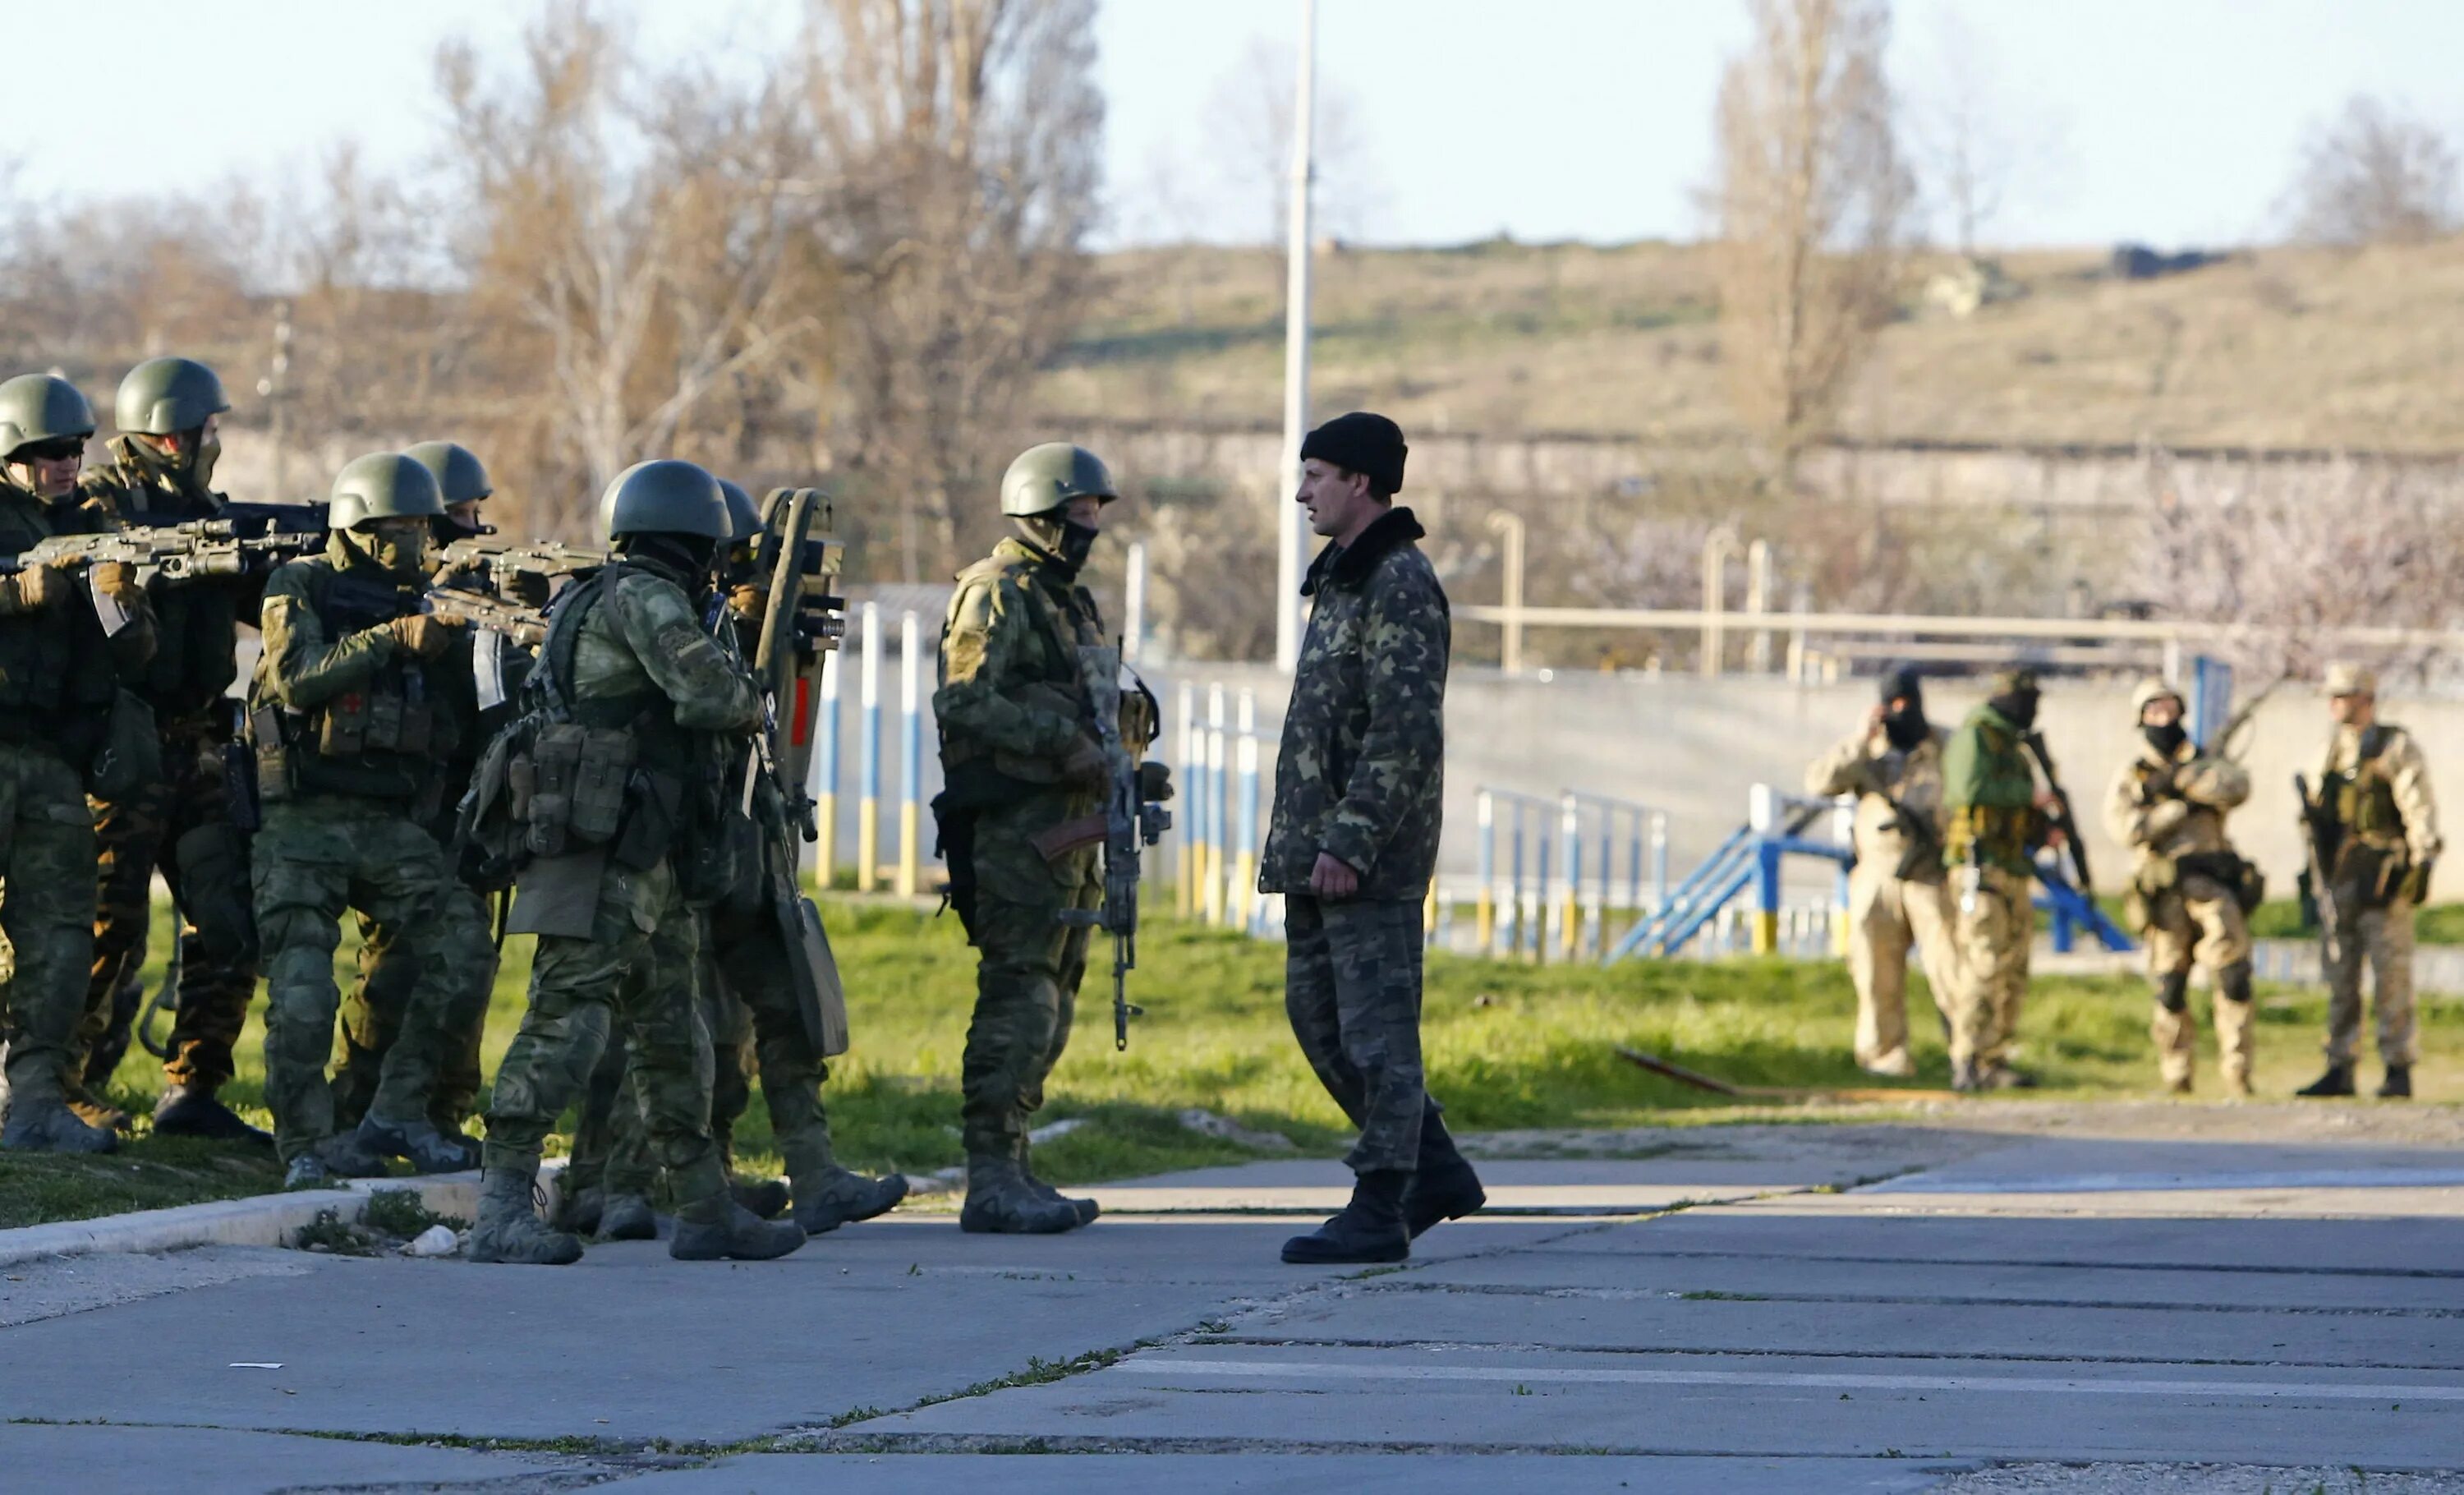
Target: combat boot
<point>344,1154</point>
<point>1000,1202</point>
<point>45,1124</point>
<point>835,1196</point>
<point>2398,1083</point>
<point>307,1171</point>
<point>1367,1229</point>
<point>767,1198</point>
<point>2337,1080</point>
<point>508,1228</point>
<point>578,1211</point>
<point>628,1216</point>
<point>417,1141</point>
<point>1964,1077</point>
<point>96,1111</point>
<point>1087,1210</point>
<point>739,1235</point>
<point>1443,1187</point>
<point>192,1110</point>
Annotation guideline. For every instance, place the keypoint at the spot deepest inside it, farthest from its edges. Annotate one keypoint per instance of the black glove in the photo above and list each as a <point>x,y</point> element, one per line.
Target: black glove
<point>1154,782</point>
<point>2414,888</point>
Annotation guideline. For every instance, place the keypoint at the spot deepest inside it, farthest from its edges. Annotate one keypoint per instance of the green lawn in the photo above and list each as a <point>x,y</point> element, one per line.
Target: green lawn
<point>1508,1045</point>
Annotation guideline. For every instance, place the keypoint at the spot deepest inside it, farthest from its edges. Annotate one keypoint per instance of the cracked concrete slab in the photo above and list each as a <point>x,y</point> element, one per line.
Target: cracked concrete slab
<point>206,1461</point>
<point>1254,1473</point>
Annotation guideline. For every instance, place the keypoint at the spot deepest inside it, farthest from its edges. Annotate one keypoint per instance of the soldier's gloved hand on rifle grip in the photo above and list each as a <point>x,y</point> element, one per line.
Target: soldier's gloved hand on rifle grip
<point>2416,887</point>
<point>424,633</point>
<point>1154,782</point>
<point>526,587</point>
<point>118,581</point>
<point>1085,764</point>
<point>37,587</point>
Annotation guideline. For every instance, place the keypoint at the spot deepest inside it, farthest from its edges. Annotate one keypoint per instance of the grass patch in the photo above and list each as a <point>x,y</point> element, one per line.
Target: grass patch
<point>1508,1045</point>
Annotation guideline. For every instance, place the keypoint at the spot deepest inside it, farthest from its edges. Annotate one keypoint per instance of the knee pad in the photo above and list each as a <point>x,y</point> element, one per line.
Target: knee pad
<point>2174,991</point>
<point>2233,982</point>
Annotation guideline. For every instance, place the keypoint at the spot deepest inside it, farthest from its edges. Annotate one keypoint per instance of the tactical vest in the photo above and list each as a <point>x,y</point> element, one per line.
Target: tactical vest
<point>56,683</point>
<point>197,621</point>
<point>382,739</point>
<point>2362,800</point>
<point>978,774</point>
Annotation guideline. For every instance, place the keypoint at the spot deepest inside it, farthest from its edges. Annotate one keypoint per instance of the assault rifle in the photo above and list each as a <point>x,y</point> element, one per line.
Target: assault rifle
<point>497,615</point>
<point>2319,835</point>
<point>503,558</point>
<point>2064,819</point>
<point>191,551</point>
<point>1131,822</point>
<point>1921,862</point>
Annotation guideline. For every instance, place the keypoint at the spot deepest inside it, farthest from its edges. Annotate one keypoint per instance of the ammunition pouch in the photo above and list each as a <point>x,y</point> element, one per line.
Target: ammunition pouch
<point>2236,875</point>
<point>130,758</point>
<point>2003,832</point>
<point>383,719</point>
<point>278,768</point>
<point>213,866</point>
<point>567,785</point>
<point>2370,871</point>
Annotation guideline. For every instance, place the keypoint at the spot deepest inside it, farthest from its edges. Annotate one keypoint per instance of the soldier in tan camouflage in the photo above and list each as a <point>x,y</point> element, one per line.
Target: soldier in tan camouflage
<point>1994,818</point>
<point>1353,843</point>
<point>2377,832</point>
<point>2188,887</point>
<point>1898,893</point>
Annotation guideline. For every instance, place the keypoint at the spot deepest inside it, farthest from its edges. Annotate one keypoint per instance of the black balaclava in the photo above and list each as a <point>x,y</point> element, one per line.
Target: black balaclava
<point>1905,727</point>
<point>2168,739</point>
<point>2018,707</point>
<point>687,556</point>
<point>1060,536</point>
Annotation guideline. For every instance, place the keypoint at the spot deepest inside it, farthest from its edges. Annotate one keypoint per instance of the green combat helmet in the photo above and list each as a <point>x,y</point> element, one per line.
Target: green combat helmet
<point>743,515</point>
<point>166,395</point>
<point>383,485</point>
<point>41,407</point>
<point>667,496</point>
<point>1047,477</point>
<point>460,475</point>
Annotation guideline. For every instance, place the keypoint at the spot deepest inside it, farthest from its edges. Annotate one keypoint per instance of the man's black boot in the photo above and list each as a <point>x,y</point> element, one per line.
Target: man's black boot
<point>2398,1083</point>
<point>1369,1229</point>
<point>1443,1187</point>
<point>190,1110</point>
<point>2337,1080</point>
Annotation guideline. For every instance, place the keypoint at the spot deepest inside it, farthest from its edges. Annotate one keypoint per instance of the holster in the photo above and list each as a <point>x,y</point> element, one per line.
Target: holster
<point>213,866</point>
<point>130,758</point>
<point>953,828</point>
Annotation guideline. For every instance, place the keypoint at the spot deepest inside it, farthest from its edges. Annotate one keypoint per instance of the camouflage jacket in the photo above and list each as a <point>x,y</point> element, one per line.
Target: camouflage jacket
<point>58,672</point>
<point>1865,764</point>
<point>1361,771</point>
<point>1011,699</point>
<point>1989,793</point>
<point>2376,783</point>
<point>197,621</point>
<point>637,644</point>
<point>2165,807</point>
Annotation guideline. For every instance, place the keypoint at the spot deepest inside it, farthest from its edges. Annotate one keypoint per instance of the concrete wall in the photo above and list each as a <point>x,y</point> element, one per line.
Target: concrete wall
<point>1695,747</point>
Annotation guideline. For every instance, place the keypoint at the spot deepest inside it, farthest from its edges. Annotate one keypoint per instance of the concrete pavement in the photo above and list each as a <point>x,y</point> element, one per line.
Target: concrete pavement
<point>1951,1305</point>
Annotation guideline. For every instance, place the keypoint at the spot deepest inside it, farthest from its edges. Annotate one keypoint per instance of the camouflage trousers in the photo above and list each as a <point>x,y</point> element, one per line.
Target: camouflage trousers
<point>1887,915</point>
<point>2382,936</point>
<point>46,916</point>
<point>633,972</point>
<point>317,858</point>
<point>2198,923</point>
<point>1028,969</point>
<point>1994,931</point>
<point>1352,988</point>
<point>375,1006</point>
<point>182,828</point>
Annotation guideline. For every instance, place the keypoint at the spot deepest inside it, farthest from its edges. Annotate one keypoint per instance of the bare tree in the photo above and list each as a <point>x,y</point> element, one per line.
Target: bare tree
<point>1810,195</point>
<point>639,234</point>
<point>2375,175</point>
<point>961,145</point>
<point>1251,108</point>
<point>1985,140</point>
<point>2379,548</point>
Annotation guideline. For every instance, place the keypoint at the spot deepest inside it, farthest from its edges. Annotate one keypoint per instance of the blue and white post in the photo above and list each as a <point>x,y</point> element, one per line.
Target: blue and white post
<point>911,758</point>
<point>1216,841</point>
<point>1244,865</point>
<point>826,778</point>
<point>1192,828</point>
<point>867,809</point>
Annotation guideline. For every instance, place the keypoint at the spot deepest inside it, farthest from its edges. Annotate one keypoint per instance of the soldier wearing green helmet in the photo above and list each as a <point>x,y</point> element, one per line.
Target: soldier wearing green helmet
<point>1020,757</point>
<point>359,697</point>
<point>610,771</point>
<point>374,1009</point>
<point>160,471</point>
<point>57,692</point>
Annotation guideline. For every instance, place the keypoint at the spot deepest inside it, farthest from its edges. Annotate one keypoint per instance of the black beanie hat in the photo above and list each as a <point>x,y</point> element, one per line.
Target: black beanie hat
<point>1364,443</point>
<point>1902,680</point>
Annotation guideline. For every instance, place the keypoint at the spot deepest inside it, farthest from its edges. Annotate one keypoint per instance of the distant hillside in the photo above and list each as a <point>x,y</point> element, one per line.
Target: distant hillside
<point>2274,348</point>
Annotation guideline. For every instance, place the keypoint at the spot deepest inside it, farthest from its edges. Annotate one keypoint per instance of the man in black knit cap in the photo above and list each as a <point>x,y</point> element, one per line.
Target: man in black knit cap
<point>1354,839</point>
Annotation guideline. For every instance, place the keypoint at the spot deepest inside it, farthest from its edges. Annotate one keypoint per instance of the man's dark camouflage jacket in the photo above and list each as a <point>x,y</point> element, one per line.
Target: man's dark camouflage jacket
<point>1361,772</point>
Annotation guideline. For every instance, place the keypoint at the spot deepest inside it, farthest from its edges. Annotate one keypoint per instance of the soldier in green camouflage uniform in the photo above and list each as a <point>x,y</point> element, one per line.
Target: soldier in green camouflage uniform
<point>1353,842</point>
<point>373,1010</point>
<point>160,474</point>
<point>57,669</point>
<point>1020,760</point>
<point>1993,820</point>
<point>357,697</point>
<point>748,1003</point>
<point>616,773</point>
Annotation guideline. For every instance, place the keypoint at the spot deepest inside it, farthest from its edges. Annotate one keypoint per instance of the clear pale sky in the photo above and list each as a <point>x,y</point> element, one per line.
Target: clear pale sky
<point>2173,121</point>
